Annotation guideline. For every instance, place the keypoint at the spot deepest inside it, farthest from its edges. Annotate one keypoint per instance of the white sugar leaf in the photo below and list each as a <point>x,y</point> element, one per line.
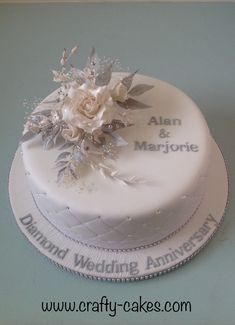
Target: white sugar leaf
<point>122,181</point>
<point>92,166</point>
<point>64,58</point>
<point>64,54</point>
<point>60,76</point>
<point>132,179</point>
<point>62,61</point>
<point>55,73</point>
<point>103,166</point>
<point>74,49</point>
<point>114,173</point>
<point>102,173</point>
<point>139,89</point>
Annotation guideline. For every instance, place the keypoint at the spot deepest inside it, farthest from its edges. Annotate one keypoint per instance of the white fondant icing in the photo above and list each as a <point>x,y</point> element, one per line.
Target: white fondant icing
<point>103,212</point>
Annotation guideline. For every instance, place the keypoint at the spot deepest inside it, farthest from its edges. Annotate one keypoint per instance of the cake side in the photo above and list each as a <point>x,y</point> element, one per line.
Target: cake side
<point>168,147</point>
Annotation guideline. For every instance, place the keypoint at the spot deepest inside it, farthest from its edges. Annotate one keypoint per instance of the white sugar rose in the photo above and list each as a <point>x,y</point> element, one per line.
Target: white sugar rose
<point>119,93</point>
<point>88,108</point>
<point>72,134</point>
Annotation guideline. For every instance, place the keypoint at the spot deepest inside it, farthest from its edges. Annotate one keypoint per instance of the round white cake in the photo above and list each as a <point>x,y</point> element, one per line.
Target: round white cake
<point>167,151</point>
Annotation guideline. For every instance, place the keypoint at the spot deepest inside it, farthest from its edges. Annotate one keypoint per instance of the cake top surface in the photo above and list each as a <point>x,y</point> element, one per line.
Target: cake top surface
<point>164,153</point>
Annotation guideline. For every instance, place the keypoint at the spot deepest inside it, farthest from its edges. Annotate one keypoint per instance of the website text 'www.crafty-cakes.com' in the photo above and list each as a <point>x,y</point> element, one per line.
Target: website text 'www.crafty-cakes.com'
<point>112,308</point>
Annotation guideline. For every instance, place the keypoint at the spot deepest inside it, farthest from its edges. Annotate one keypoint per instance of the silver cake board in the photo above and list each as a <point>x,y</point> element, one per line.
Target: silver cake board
<point>120,266</point>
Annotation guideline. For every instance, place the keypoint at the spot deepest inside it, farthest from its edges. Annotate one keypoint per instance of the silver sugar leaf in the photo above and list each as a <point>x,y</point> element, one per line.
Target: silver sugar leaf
<point>38,119</point>
<point>74,49</point>
<point>127,81</point>
<point>48,143</point>
<point>118,124</point>
<point>107,171</point>
<point>72,170</point>
<point>27,136</point>
<point>46,132</point>
<point>61,163</point>
<point>57,135</point>
<point>78,75</point>
<point>114,125</point>
<point>50,139</point>
<point>66,145</point>
<point>123,104</point>
<point>45,112</point>
<point>63,155</point>
<point>93,60</point>
<point>118,140</point>
<point>54,101</point>
<point>131,103</point>
<point>60,174</point>
<point>80,157</point>
<point>139,89</point>
<point>108,127</point>
<point>104,75</point>
<point>91,56</point>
